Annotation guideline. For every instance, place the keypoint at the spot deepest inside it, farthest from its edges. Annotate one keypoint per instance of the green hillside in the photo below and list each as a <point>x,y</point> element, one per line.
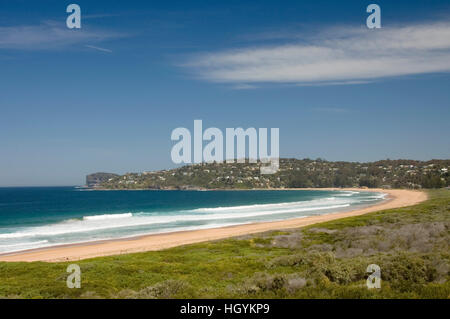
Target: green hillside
<point>293,173</point>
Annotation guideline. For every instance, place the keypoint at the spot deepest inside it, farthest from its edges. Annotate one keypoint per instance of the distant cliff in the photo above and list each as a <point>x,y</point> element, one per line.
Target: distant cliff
<point>94,180</point>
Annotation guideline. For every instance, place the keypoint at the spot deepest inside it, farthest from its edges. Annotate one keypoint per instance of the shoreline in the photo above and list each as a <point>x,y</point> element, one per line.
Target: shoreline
<point>396,198</point>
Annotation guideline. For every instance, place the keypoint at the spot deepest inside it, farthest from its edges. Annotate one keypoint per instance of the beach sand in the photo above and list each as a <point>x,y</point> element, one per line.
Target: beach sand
<point>396,198</point>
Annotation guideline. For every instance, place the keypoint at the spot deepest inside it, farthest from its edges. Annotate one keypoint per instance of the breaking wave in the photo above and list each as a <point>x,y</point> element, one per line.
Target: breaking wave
<point>107,216</point>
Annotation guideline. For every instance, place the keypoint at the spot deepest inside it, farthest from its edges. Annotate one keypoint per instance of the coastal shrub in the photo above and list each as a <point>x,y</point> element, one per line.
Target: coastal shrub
<point>349,252</point>
<point>261,284</point>
<point>369,240</point>
<point>90,295</point>
<point>325,266</point>
<point>260,241</point>
<point>317,265</point>
<point>244,289</point>
<point>125,294</point>
<point>335,273</point>
<point>11,297</point>
<point>266,284</point>
<point>287,261</point>
<point>420,237</point>
<point>165,290</point>
<point>295,283</point>
<point>315,258</point>
<point>269,282</point>
<point>321,247</point>
<point>292,240</point>
<point>405,271</point>
<point>363,231</point>
<point>322,230</point>
<point>441,267</point>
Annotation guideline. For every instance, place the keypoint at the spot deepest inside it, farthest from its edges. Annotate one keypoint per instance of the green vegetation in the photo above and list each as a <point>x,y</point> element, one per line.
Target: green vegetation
<point>293,173</point>
<point>328,260</point>
<point>94,180</point>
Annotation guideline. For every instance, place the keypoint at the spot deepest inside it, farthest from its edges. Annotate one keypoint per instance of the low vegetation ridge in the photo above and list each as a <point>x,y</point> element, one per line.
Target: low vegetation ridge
<point>293,173</point>
<point>328,260</point>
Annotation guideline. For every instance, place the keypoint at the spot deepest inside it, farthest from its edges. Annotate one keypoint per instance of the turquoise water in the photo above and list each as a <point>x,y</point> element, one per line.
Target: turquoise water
<point>40,216</point>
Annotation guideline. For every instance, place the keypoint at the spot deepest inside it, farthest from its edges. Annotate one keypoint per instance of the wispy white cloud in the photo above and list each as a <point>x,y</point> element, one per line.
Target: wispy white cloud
<point>334,83</point>
<point>334,56</point>
<point>98,48</point>
<point>49,36</point>
<point>244,87</point>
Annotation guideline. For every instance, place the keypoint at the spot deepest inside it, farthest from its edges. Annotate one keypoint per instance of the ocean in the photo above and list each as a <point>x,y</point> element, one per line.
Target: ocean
<point>36,217</point>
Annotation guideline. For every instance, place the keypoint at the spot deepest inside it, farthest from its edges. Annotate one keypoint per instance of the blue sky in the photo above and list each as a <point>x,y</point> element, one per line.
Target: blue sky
<point>106,97</point>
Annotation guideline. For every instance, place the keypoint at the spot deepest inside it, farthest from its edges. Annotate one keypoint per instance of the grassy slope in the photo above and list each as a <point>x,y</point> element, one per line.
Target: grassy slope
<point>411,245</point>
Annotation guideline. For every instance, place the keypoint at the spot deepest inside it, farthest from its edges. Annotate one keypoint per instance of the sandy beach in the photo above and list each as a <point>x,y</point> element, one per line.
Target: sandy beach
<point>395,199</point>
